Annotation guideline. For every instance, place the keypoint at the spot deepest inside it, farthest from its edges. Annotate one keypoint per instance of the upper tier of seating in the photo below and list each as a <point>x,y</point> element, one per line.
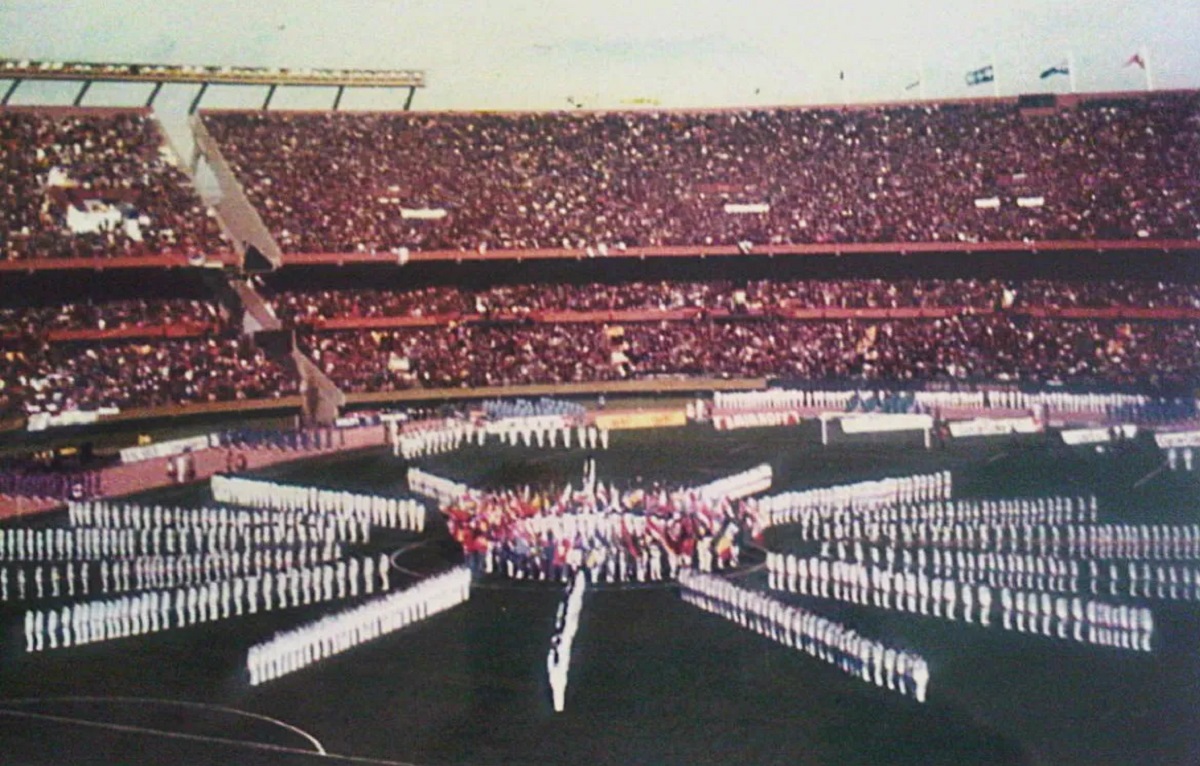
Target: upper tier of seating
<point>82,183</point>
<point>953,173</point>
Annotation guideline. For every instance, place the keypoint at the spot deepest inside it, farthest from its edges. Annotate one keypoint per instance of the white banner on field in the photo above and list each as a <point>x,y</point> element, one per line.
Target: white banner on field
<point>168,448</point>
<point>1031,201</point>
<point>1078,436</point>
<point>1177,439</point>
<point>878,423</point>
<point>987,203</point>
<point>993,427</point>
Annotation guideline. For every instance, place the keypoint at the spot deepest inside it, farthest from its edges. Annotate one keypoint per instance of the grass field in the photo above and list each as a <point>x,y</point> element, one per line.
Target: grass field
<point>653,680</point>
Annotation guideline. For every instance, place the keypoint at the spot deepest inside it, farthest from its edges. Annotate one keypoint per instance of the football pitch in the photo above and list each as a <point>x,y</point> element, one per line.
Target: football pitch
<point>653,680</point>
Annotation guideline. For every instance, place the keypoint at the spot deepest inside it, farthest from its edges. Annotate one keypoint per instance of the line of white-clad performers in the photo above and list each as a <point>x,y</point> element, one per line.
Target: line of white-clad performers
<point>822,523</point>
<point>566,624</point>
<point>431,437</point>
<point>93,543</point>
<point>439,488</point>
<point>110,515</point>
<point>1090,541</point>
<point>1032,572</point>
<point>151,611</point>
<point>300,647</point>
<point>377,510</point>
<point>442,435</point>
<point>861,496</point>
<point>1181,458</point>
<point>1093,621</point>
<point>860,657</point>
<point>19,582</point>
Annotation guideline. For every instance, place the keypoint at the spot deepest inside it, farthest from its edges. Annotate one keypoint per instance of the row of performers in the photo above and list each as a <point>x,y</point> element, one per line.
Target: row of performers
<point>151,611</point>
<point>405,513</point>
<point>1138,579</point>
<point>300,647</point>
<point>19,582</point>
<point>1090,621</point>
<point>793,626</point>
<point>92,543</point>
<point>367,510</point>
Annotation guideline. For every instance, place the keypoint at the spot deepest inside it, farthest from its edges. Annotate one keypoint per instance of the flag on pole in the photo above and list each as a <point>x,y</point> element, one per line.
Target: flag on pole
<point>1064,69</point>
<point>1136,59</point>
<point>913,84</point>
<point>981,75</point>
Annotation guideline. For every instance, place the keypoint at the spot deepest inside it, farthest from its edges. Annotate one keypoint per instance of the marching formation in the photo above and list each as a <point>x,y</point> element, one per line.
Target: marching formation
<point>862,496</point>
<point>1089,620</point>
<point>300,647</point>
<point>377,510</point>
<point>151,611</point>
<point>871,661</point>
<point>566,623</point>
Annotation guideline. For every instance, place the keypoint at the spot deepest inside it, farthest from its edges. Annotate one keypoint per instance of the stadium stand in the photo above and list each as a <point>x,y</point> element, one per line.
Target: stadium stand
<point>95,183</point>
<point>950,173</point>
<point>133,366</point>
<point>952,348</point>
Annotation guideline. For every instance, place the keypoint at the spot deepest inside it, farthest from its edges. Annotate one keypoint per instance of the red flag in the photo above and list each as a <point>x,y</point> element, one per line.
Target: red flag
<point>1136,59</point>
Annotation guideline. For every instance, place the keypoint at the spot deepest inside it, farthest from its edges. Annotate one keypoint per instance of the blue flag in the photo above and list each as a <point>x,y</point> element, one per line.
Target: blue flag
<point>1060,69</point>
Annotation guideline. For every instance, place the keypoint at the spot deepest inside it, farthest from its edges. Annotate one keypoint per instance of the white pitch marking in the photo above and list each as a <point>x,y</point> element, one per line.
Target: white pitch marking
<point>201,738</point>
<point>320,749</point>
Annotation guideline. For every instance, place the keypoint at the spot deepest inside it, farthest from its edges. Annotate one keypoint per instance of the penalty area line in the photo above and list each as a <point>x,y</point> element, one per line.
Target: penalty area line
<point>131,729</point>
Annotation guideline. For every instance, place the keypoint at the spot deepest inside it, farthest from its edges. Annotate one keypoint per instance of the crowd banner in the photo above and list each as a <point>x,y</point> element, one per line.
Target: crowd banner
<point>40,421</point>
<point>1177,439</point>
<point>1077,436</point>
<point>742,208</point>
<point>169,448</point>
<point>617,421</point>
<point>994,427</point>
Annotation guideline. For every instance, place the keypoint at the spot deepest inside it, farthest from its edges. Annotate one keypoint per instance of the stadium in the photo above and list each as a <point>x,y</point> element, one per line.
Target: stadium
<point>335,428</point>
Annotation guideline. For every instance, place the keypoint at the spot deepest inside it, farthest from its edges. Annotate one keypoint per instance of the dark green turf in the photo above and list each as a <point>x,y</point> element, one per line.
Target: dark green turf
<point>653,680</point>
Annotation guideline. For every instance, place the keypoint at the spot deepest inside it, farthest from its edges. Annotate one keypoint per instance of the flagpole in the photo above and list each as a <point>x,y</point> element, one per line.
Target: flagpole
<point>1146,61</point>
<point>1071,69</point>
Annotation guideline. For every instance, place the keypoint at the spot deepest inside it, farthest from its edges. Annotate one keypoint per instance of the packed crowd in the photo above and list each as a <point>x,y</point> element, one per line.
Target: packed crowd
<point>55,165</point>
<point>304,307</point>
<point>997,348</point>
<point>339,182</point>
<point>62,377</point>
<point>35,321</point>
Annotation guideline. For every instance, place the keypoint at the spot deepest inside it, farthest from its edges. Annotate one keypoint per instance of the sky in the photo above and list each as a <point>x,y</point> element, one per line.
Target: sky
<point>537,54</point>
